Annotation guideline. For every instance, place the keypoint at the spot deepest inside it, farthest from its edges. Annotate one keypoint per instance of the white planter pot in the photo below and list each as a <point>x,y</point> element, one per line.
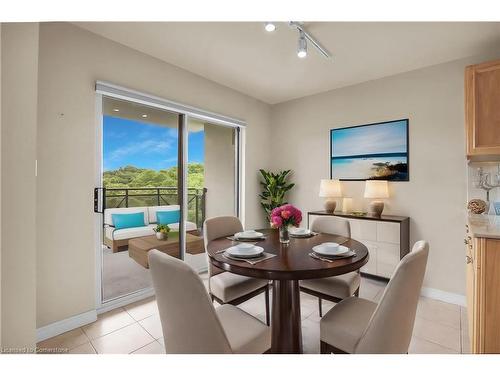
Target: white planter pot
<point>161,236</point>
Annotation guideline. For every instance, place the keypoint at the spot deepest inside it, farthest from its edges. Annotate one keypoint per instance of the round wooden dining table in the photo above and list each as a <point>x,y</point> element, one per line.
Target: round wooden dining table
<point>291,264</point>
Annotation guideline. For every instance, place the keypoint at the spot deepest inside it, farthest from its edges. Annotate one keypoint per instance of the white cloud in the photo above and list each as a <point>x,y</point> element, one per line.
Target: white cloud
<point>145,147</point>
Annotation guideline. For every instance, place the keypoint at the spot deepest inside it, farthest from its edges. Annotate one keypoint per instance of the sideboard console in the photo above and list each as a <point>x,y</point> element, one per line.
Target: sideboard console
<point>387,238</point>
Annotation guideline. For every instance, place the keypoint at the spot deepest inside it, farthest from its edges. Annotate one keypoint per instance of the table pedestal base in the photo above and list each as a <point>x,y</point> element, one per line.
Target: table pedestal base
<point>285,321</point>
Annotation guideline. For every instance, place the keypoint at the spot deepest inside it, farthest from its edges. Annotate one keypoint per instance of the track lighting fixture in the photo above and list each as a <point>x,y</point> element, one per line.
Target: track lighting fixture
<point>302,47</point>
<point>304,37</point>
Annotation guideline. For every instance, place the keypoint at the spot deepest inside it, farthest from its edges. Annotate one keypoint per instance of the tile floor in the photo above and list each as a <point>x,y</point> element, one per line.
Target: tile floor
<point>439,327</point>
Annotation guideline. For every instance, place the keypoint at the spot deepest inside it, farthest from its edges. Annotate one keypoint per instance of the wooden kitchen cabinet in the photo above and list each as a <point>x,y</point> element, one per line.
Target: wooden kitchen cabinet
<point>483,294</point>
<point>482,110</point>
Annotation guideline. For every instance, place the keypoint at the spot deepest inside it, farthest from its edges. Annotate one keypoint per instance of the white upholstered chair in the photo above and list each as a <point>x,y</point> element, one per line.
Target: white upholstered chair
<point>356,325</point>
<point>334,288</point>
<point>226,287</point>
<point>191,324</point>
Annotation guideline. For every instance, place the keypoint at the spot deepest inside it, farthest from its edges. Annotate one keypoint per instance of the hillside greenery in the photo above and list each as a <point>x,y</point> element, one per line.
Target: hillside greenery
<point>130,177</point>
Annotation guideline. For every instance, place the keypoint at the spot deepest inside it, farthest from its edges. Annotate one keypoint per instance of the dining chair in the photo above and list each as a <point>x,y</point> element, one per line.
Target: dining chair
<point>226,287</point>
<point>357,325</point>
<point>189,321</point>
<point>334,288</point>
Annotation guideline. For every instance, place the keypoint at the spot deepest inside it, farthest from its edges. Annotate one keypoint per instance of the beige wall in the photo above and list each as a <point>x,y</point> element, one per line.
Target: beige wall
<point>71,60</point>
<point>219,170</point>
<point>0,185</point>
<point>19,70</point>
<point>435,196</point>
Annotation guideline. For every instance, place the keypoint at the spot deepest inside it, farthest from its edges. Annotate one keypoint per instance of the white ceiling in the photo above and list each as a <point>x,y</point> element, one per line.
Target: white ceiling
<point>243,56</point>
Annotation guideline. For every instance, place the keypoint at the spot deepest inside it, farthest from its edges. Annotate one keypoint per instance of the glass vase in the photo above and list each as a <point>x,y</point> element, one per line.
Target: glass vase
<point>284,237</point>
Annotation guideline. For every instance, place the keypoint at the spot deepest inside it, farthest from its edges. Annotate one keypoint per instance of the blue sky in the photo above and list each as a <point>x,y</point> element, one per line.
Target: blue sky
<point>128,142</point>
<point>375,139</point>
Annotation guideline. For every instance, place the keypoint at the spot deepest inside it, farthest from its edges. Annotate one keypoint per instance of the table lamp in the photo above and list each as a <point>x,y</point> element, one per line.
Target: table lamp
<point>376,189</point>
<point>330,189</point>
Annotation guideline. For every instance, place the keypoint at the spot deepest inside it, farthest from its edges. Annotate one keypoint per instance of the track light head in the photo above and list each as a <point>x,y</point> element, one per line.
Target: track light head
<point>302,46</point>
<point>269,26</point>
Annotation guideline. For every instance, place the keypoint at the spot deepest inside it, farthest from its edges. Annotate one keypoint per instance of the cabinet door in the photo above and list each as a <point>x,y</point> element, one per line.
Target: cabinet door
<point>482,109</point>
<point>469,271</point>
<point>371,266</point>
<point>387,259</point>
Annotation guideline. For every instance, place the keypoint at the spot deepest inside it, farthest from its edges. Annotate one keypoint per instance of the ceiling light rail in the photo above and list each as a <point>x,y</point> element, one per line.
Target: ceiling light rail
<point>304,36</point>
<point>303,33</point>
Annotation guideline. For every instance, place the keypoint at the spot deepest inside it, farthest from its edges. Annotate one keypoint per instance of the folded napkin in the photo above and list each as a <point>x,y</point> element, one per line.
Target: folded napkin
<point>252,261</point>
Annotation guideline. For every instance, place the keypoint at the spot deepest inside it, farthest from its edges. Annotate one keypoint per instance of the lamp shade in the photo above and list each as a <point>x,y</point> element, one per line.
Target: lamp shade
<point>330,189</point>
<point>376,189</point>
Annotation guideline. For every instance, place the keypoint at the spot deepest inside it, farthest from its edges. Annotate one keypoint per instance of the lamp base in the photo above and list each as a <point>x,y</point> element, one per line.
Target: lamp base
<point>376,208</point>
<point>330,205</point>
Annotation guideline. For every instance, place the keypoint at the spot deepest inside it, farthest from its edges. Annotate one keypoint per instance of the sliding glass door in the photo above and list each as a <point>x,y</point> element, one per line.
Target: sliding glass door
<point>162,172</point>
<point>212,178</point>
<point>140,181</point>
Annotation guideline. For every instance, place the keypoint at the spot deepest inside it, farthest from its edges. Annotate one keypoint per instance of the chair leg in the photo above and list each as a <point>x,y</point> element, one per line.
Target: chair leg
<point>267,305</point>
<point>323,348</point>
<point>320,307</point>
<point>356,293</point>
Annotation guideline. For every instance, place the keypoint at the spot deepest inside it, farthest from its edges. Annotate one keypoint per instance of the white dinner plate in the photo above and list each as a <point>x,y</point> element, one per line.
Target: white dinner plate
<point>299,232</point>
<point>245,251</point>
<point>329,249</point>
<point>249,234</point>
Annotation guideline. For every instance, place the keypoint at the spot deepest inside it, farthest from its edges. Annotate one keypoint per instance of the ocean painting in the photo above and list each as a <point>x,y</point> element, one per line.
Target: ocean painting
<point>370,152</point>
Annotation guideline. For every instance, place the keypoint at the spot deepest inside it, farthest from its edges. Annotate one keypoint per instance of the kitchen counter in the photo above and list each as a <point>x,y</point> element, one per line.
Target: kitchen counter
<point>484,226</point>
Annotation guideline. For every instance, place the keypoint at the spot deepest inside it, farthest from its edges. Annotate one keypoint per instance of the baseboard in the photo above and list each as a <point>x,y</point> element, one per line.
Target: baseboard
<point>441,295</point>
<point>65,325</point>
<point>201,270</point>
<point>125,300</point>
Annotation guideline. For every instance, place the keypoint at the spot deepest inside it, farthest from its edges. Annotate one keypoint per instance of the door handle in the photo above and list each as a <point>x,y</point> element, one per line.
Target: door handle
<point>99,200</point>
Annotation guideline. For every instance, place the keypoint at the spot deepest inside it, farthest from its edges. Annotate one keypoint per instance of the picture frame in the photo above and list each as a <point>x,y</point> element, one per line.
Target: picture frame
<point>378,151</point>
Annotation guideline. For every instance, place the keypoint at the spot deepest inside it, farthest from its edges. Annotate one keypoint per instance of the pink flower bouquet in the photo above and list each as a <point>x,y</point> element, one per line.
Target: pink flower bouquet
<point>285,216</point>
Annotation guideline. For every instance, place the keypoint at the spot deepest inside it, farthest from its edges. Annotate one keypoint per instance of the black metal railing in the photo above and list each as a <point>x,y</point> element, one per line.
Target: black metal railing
<point>157,196</point>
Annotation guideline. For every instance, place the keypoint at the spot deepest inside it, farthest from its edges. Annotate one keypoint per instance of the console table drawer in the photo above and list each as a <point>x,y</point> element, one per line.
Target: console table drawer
<point>363,230</point>
<point>388,232</point>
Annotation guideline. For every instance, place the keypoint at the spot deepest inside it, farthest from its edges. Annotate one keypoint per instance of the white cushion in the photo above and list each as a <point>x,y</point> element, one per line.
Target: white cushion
<point>174,227</point>
<point>108,212</point>
<point>154,209</point>
<point>127,233</point>
<point>228,286</point>
<point>341,286</point>
<point>246,334</point>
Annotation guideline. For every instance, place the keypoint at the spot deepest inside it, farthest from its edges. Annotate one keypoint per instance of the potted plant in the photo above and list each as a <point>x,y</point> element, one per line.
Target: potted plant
<point>284,216</point>
<point>275,186</point>
<point>162,231</point>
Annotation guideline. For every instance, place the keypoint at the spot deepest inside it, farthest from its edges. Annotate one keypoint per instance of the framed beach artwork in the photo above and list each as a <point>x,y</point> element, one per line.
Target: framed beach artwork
<point>370,152</point>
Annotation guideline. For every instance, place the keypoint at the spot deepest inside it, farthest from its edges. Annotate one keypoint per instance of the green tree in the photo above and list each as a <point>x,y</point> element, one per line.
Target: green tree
<point>130,177</point>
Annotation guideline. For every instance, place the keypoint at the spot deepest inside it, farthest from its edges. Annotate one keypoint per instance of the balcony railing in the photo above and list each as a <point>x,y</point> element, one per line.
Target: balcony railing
<point>157,196</point>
